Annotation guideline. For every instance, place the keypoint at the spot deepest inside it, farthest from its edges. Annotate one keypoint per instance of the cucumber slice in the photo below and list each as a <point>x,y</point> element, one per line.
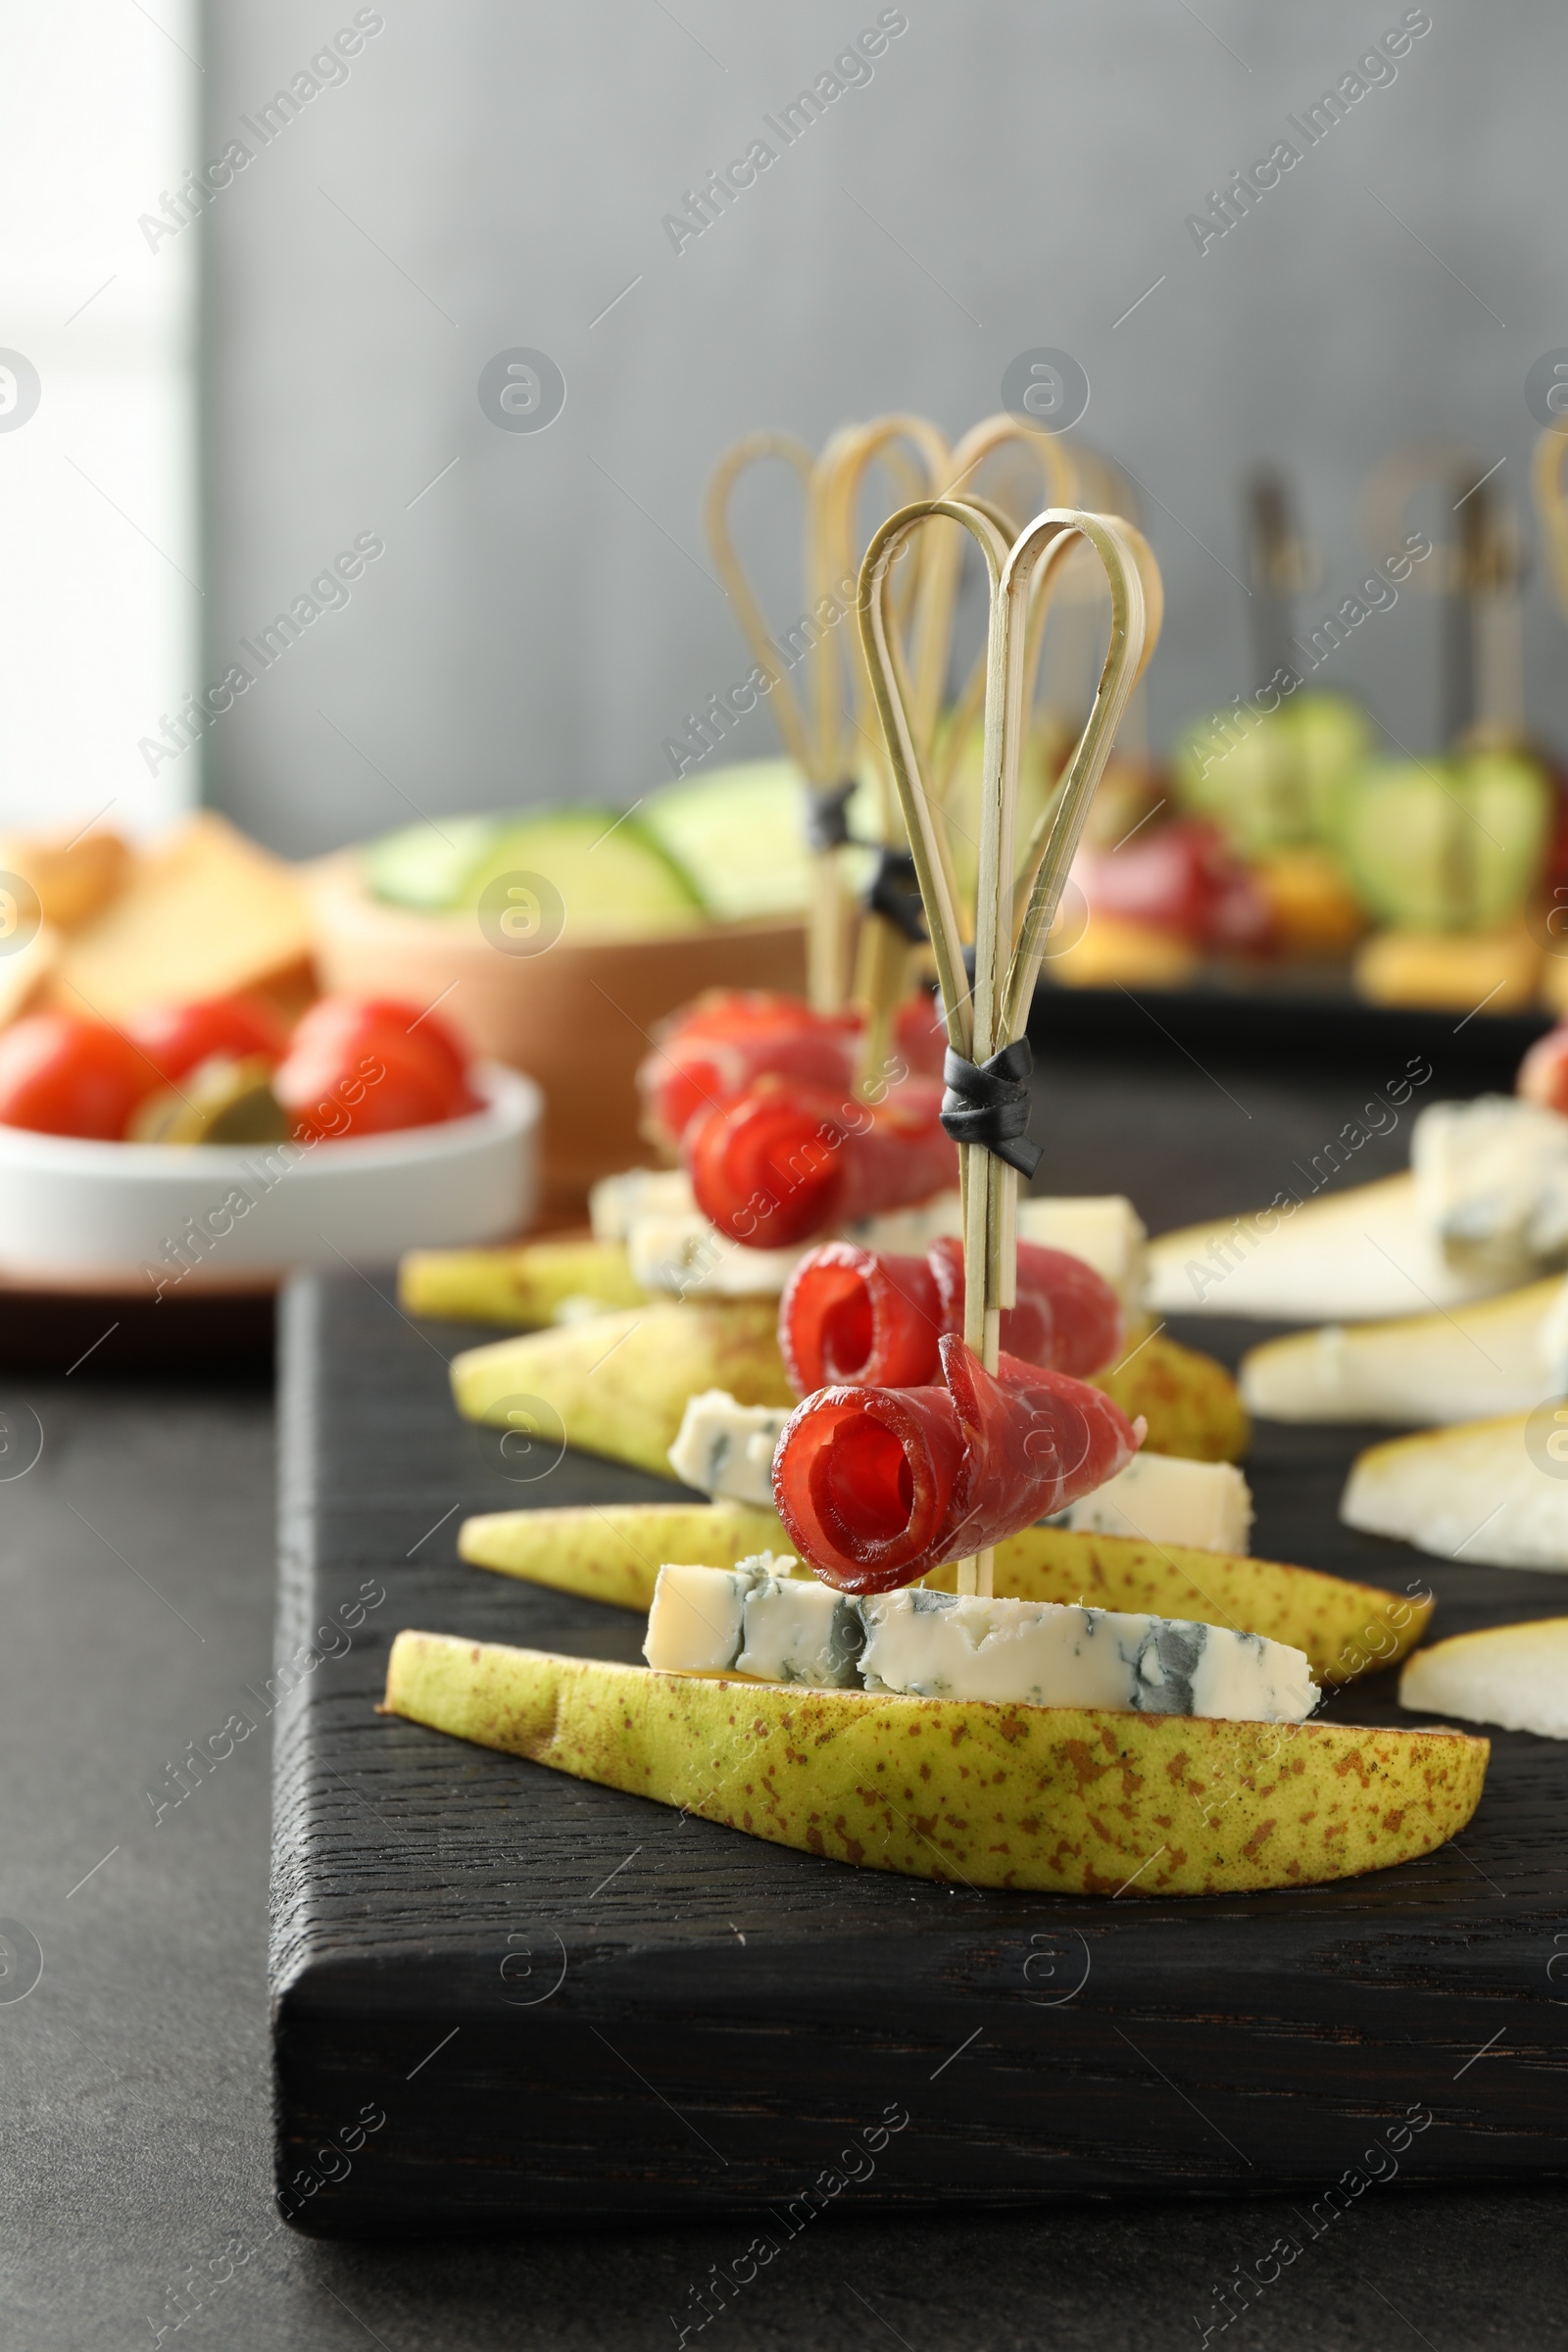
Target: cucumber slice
<point>425,868</point>
<point>740,834</point>
<point>1273,780</point>
<point>1445,845</point>
<point>610,873</point>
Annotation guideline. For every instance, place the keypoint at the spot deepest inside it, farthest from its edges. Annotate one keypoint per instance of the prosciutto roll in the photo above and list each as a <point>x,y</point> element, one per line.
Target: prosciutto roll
<point>875,1318</point>
<point>784,1161</point>
<point>878,1486</point>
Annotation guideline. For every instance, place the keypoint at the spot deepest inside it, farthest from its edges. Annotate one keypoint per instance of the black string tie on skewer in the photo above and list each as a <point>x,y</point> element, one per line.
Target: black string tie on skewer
<point>894,893</point>
<point>989,1103</point>
<point>827,821</point>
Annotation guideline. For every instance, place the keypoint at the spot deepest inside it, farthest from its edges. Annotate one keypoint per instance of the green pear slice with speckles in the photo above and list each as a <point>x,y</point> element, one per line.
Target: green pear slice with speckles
<point>618,1385</point>
<point>525,1286</point>
<point>967,1791</point>
<point>613,1553</point>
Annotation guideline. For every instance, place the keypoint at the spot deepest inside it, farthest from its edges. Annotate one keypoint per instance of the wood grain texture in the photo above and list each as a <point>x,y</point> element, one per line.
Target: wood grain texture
<point>571,2003</point>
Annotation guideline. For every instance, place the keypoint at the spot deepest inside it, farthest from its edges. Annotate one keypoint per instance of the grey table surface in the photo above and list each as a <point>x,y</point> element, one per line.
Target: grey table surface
<point>136,1568</point>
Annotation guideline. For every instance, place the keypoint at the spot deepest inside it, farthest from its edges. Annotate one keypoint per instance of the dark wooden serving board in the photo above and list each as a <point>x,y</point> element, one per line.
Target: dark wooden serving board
<point>570,2004</point>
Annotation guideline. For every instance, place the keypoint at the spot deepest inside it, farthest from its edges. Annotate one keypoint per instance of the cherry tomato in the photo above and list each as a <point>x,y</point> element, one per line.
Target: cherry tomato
<point>176,1037</point>
<point>330,1017</point>
<point>62,1075</point>
<point>370,1068</point>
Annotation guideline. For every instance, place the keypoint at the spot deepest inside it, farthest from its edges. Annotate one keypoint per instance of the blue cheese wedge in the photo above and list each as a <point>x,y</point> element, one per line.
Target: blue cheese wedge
<point>1055,1654</point>
<point>762,1620</point>
<point>1167,1501</point>
<point>756,1619</point>
<point>1491,1182</point>
<point>727,1449</point>
<point>685,1255</point>
<point>615,1201</point>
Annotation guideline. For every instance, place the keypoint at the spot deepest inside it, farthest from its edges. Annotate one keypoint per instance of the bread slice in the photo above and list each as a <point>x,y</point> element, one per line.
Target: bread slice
<point>203,912</point>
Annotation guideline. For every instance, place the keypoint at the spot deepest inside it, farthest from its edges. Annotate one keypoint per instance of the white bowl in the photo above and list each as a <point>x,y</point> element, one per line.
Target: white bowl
<point>69,1205</point>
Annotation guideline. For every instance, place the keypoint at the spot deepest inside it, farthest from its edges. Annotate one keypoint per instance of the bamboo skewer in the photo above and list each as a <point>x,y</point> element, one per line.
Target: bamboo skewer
<point>1552,504</point>
<point>1014,903</point>
<point>799,739</point>
<point>817,725</point>
<point>1465,570</point>
<point>1060,482</point>
<point>812,727</point>
<point>883,960</point>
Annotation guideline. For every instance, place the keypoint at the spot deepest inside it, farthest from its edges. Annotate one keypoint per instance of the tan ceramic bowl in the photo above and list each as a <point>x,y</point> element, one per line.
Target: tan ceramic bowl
<point>576,1018</point>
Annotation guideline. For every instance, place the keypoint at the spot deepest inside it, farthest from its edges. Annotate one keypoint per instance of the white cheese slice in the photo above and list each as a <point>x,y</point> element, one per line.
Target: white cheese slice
<point>722,1448</point>
<point>910,1232</point>
<point>1104,1230</point>
<point>1167,1500</point>
<point>1491,1182</point>
<point>1056,1655</point>
<point>1512,1675</point>
<point>683,1253</point>
<point>1360,1254</point>
<point>1480,1492</point>
<point>614,1200</point>
<point>1499,1355</point>
<point>756,1619</point>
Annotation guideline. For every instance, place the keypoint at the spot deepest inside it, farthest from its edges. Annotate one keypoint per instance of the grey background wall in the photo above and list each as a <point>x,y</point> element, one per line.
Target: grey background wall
<point>493,172</point>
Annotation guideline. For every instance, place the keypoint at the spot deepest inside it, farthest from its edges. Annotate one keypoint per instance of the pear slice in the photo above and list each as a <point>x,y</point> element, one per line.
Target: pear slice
<point>615,1554</point>
<point>1347,1630</point>
<point>1364,1252</point>
<point>1491,1357</point>
<point>1512,1675</point>
<point>614,1551</point>
<point>618,1385</point>
<point>1474,1493</point>
<point>1189,1401</point>
<point>1062,1799</point>
<point>523,1286</point>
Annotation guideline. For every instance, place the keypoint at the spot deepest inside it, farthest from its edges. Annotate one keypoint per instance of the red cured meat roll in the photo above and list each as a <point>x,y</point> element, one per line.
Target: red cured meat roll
<point>853,1314</point>
<point>784,1161</point>
<point>879,1486</point>
<point>712,1049</point>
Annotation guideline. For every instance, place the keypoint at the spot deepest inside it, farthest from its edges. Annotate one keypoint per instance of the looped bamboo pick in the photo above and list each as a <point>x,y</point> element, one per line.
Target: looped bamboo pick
<point>811,725</point>
<point>1015,901</point>
<point>818,726</point>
